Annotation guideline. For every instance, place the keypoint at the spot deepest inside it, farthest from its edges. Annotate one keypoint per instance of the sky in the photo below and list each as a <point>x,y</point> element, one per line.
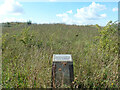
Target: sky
<point>55,11</point>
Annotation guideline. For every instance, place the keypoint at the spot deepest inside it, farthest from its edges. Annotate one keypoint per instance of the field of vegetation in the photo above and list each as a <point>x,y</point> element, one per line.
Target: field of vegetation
<point>27,52</point>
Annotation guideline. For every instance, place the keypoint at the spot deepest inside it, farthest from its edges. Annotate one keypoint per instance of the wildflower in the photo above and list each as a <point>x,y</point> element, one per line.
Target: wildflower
<point>75,78</point>
<point>112,83</point>
<point>73,82</point>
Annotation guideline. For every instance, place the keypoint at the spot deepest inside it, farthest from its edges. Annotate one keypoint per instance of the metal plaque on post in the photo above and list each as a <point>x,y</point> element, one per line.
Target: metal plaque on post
<point>62,70</point>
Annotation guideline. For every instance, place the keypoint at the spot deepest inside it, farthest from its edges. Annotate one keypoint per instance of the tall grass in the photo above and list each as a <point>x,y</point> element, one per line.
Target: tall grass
<point>27,54</point>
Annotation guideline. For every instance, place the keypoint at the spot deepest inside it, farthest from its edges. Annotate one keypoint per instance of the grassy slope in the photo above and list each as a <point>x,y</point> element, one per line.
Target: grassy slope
<point>27,55</point>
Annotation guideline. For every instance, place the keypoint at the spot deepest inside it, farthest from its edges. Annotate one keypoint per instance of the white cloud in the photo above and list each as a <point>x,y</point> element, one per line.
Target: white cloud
<point>62,15</point>
<point>85,15</point>
<point>12,19</point>
<point>115,9</point>
<point>103,15</point>
<point>90,12</point>
<point>11,7</point>
<point>65,17</point>
<point>70,12</point>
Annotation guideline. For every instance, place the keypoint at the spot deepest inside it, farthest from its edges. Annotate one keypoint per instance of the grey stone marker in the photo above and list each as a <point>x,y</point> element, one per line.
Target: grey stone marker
<point>62,70</point>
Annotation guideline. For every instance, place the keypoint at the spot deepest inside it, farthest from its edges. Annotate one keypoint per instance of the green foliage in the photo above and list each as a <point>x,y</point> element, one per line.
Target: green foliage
<point>26,38</point>
<point>107,42</point>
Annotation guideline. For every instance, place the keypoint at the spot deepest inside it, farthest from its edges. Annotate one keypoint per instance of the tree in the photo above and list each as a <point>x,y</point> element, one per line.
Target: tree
<point>29,22</point>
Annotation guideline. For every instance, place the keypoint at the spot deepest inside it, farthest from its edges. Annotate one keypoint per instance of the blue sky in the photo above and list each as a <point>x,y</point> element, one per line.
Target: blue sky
<point>79,13</point>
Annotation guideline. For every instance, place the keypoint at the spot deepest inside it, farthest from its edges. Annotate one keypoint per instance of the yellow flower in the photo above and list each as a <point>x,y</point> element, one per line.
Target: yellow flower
<point>112,83</point>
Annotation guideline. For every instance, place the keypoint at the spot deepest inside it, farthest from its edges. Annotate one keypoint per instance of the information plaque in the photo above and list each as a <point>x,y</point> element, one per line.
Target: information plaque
<point>62,70</point>
<point>62,57</point>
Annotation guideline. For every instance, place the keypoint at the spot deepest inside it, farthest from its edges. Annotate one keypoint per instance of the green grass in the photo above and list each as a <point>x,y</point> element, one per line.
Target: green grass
<point>27,54</point>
